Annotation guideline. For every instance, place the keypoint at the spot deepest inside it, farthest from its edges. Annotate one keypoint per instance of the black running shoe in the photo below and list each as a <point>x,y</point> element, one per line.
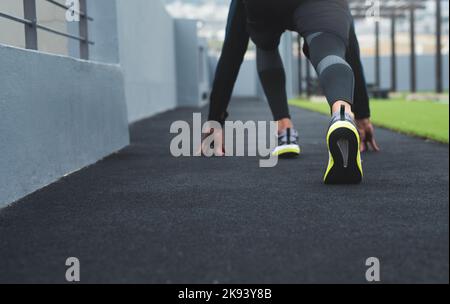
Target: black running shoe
<point>345,165</point>
<point>288,146</point>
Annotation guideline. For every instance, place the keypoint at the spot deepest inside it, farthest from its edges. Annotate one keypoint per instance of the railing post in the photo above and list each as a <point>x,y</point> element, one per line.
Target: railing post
<point>439,78</point>
<point>84,45</point>
<point>300,66</point>
<point>413,62</point>
<point>29,12</point>
<point>394,53</point>
<point>377,55</point>
<point>308,80</point>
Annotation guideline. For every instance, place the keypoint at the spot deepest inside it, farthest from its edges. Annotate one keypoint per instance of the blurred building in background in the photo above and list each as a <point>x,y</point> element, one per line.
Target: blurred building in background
<point>213,13</point>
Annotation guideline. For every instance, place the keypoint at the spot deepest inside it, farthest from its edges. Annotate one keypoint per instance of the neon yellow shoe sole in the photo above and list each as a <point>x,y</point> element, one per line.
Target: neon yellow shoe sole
<point>287,151</point>
<point>345,165</point>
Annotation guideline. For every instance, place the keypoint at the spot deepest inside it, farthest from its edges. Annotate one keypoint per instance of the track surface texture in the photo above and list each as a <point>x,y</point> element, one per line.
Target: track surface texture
<point>143,216</point>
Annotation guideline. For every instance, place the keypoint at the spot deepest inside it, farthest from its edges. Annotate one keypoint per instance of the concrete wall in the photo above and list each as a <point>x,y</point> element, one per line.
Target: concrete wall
<point>193,77</point>
<point>103,31</point>
<point>140,36</point>
<point>147,57</point>
<point>57,115</point>
<point>188,63</point>
<point>205,77</point>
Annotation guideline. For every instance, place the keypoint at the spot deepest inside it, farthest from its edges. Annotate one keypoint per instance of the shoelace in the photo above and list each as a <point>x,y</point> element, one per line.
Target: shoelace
<point>288,137</point>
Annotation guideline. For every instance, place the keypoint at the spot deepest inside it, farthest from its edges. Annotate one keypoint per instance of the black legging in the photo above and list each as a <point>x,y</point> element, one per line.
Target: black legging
<point>273,80</point>
<point>361,106</point>
<point>327,54</point>
<point>233,51</point>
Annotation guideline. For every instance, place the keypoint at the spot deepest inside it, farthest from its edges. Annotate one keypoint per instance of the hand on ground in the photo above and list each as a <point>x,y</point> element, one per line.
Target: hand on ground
<point>212,143</point>
<point>367,132</point>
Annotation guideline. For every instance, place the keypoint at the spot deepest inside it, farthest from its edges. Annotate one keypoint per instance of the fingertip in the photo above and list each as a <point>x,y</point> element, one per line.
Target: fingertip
<point>375,146</point>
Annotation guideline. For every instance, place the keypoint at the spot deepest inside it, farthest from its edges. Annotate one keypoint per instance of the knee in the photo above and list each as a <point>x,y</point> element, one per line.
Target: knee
<point>322,45</point>
<point>328,51</point>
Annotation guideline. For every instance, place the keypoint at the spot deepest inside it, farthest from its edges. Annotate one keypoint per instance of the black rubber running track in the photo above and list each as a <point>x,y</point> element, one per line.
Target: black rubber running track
<point>142,216</point>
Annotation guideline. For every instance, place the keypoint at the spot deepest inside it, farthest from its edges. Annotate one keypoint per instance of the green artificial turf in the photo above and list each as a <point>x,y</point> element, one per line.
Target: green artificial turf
<point>419,118</point>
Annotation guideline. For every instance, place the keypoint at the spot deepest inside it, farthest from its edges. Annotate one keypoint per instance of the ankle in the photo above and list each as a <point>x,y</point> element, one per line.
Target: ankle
<point>284,124</point>
<point>337,107</point>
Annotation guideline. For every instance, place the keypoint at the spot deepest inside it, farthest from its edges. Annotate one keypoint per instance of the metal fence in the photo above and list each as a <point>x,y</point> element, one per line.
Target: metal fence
<point>32,25</point>
<point>391,11</point>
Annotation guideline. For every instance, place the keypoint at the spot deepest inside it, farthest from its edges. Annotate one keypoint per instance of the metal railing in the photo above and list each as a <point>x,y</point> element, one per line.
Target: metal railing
<point>31,24</point>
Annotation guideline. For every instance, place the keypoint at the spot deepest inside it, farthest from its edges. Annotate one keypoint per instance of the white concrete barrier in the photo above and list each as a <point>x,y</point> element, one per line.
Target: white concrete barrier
<point>57,115</point>
<point>192,64</point>
<point>147,57</point>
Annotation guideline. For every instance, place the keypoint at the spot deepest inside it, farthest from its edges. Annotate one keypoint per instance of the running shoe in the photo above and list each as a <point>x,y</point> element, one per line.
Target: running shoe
<point>288,146</point>
<point>345,165</point>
